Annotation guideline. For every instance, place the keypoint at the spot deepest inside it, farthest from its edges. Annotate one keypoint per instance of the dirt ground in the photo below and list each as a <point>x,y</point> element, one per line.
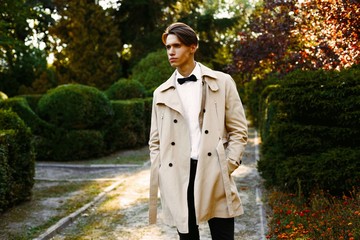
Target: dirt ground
<point>123,212</point>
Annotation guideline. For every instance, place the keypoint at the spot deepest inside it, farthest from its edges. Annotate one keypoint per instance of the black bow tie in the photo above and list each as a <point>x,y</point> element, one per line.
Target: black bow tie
<point>191,78</point>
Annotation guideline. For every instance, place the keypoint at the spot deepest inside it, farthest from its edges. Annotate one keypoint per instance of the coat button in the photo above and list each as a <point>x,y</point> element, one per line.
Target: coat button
<point>209,154</point>
<point>206,131</point>
<point>204,110</point>
<point>173,143</point>
<point>175,120</point>
<point>170,164</point>
<point>240,162</point>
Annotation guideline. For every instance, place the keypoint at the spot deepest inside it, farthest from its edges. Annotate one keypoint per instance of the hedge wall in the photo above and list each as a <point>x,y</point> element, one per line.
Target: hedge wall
<point>17,160</point>
<point>310,127</point>
<point>77,122</point>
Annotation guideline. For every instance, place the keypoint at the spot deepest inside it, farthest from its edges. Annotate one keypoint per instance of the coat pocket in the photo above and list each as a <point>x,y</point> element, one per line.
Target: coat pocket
<point>232,165</point>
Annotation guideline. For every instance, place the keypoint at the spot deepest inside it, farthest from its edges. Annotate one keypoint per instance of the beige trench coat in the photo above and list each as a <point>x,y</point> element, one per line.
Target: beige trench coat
<point>223,140</point>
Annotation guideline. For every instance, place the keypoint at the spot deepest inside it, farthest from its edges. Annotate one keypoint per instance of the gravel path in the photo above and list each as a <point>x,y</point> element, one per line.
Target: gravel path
<point>122,214</point>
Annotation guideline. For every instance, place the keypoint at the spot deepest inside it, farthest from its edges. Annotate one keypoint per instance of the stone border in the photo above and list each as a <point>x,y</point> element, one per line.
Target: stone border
<point>65,221</point>
<point>86,166</point>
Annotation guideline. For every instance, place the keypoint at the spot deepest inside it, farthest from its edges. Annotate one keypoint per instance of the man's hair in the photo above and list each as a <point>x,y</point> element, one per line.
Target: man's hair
<point>185,33</point>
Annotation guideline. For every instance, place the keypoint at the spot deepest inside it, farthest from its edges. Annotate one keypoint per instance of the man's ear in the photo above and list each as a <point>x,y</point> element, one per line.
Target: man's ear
<point>193,48</point>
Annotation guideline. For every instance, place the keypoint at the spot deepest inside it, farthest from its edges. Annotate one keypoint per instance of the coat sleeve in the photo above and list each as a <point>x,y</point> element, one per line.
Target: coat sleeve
<point>154,146</point>
<point>154,141</point>
<point>235,124</point>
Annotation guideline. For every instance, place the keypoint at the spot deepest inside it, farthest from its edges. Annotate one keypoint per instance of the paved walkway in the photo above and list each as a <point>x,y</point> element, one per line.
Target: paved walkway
<point>127,198</point>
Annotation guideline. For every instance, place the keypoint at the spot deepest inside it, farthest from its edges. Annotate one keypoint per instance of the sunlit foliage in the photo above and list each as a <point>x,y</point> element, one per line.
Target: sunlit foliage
<point>287,35</point>
<point>87,44</point>
<point>21,62</point>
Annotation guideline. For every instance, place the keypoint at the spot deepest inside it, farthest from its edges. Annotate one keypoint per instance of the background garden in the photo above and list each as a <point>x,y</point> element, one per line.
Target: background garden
<point>76,81</point>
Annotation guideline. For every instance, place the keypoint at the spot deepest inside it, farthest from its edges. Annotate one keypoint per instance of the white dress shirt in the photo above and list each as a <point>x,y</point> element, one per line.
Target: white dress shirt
<point>190,94</point>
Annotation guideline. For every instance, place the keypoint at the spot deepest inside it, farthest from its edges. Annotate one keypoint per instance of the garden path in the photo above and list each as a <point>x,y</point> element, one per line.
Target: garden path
<point>123,214</point>
<point>120,211</point>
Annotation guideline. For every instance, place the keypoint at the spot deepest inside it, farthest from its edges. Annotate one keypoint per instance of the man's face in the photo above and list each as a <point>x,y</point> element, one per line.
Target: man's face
<point>179,54</point>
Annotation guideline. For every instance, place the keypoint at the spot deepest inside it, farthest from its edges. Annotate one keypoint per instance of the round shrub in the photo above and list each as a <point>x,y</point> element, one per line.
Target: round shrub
<point>75,106</point>
<point>125,89</point>
<point>153,70</point>
<point>20,106</point>
<point>17,160</point>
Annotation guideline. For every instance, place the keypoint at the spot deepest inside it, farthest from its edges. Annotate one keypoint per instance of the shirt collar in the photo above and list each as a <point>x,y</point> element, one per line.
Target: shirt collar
<point>196,71</point>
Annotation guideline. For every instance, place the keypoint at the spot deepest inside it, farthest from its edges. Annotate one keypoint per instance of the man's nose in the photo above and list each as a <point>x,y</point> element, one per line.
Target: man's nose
<point>171,51</point>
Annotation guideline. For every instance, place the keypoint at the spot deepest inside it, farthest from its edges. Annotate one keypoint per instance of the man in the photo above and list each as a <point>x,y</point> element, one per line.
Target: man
<point>197,138</point>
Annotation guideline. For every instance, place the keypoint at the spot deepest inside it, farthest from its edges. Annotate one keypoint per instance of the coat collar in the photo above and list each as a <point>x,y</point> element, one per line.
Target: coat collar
<point>207,74</point>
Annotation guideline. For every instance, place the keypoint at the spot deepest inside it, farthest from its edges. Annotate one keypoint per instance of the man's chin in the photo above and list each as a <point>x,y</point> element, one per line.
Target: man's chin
<point>174,65</point>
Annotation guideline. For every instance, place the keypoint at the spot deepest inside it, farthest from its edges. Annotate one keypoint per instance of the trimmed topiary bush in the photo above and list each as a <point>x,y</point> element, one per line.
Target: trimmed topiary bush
<point>153,70</point>
<point>128,128</point>
<point>75,106</point>
<point>17,160</point>
<point>31,119</point>
<point>125,89</point>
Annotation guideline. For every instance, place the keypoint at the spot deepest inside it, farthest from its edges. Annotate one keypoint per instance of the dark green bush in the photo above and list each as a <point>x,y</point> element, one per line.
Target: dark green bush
<point>128,128</point>
<point>44,133</point>
<point>17,160</point>
<point>153,70</point>
<point>32,100</point>
<point>335,169</point>
<point>253,91</point>
<point>78,145</point>
<point>125,89</point>
<point>7,139</point>
<point>310,128</point>
<point>31,119</point>
<point>75,106</point>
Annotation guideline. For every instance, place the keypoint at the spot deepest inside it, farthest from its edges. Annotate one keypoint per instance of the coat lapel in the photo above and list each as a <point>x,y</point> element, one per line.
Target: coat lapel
<point>169,96</point>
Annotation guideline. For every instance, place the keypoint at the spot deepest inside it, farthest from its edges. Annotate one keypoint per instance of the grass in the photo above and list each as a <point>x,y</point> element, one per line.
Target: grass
<point>321,217</point>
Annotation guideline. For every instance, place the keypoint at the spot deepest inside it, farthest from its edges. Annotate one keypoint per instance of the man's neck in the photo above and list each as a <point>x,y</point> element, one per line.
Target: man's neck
<point>187,69</point>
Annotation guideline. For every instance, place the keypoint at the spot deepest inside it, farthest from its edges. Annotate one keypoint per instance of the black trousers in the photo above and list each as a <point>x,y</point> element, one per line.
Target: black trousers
<point>220,228</point>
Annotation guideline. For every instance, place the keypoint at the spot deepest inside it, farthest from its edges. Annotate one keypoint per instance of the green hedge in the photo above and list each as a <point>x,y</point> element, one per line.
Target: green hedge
<point>128,129</point>
<point>310,127</point>
<point>92,124</point>
<point>17,160</point>
<point>78,145</point>
<point>125,89</point>
<point>75,106</point>
<point>153,70</point>
<point>25,112</point>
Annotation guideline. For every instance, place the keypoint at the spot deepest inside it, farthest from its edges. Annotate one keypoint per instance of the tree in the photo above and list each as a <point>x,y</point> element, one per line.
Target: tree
<point>141,23</point>
<point>148,20</point>
<point>87,44</point>
<point>286,35</point>
<point>20,61</point>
